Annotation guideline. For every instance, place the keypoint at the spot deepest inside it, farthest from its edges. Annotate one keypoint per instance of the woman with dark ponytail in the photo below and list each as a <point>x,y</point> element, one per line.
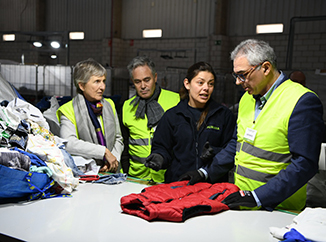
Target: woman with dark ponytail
<point>190,134</point>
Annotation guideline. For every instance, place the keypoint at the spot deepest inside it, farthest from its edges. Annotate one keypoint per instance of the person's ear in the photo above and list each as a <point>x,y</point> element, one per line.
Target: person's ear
<point>155,77</point>
<point>186,83</point>
<point>81,86</point>
<point>266,66</point>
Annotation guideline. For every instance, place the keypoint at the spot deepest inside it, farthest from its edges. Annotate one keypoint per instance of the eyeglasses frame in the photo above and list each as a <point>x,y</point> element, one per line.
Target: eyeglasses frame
<point>243,76</point>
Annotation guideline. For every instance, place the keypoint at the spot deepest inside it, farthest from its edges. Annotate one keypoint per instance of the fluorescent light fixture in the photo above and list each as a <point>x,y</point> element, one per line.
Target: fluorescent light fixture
<point>152,33</point>
<point>76,35</point>
<point>37,44</point>
<point>8,37</point>
<point>55,44</point>
<point>269,28</point>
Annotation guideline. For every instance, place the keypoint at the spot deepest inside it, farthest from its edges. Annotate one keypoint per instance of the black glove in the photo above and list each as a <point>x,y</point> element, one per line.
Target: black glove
<point>193,177</point>
<point>240,198</point>
<point>207,154</point>
<point>154,161</point>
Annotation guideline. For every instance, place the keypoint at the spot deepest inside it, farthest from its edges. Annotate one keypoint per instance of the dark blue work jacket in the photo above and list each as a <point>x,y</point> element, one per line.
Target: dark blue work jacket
<point>180,143</point>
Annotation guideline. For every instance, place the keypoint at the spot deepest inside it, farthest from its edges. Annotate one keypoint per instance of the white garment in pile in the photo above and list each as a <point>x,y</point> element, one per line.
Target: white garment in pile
<point>53,157</point>
<point>25,111</point>
<point>311,223</point>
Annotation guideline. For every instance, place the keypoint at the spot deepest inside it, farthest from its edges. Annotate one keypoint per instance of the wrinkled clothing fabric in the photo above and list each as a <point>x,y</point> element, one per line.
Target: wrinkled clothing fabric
<point>151,107</point>
<point>41,169</point>
<point>20,136</point>
<point>87,166</point>
<point>20,109</point>
<point>53,157</point>
<point>294,236</point>
<point>310,223</point>
<point>35,160</point>
<point>112,179</point>
<point>16,185</point>
<point>50,116</point>
<point>14,159</point>
<point>45,133</point>
<point>10,120</point>
<point>69,161</point>
<point>177,201</point>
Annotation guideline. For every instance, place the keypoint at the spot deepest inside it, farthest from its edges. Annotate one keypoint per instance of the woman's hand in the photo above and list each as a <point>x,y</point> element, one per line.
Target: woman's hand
<point>111,164</point>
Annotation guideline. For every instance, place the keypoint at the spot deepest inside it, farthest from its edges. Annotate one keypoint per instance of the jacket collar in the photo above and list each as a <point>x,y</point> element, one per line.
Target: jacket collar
<point>182,107</point>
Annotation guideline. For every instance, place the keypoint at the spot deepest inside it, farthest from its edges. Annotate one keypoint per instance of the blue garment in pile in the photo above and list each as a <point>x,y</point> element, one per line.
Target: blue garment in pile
<point>112,179</point>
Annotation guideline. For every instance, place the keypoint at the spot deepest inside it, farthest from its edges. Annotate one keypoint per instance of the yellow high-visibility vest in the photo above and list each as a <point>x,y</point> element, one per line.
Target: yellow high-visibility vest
<point>140,136</point>
<point>259,161</point>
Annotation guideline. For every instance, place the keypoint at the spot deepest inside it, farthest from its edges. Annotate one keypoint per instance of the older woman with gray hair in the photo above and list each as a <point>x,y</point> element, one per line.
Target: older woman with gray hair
<point>90,122</point>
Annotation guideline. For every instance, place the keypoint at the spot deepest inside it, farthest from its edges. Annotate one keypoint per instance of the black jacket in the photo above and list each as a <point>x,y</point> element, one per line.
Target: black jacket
<point>178,141</point>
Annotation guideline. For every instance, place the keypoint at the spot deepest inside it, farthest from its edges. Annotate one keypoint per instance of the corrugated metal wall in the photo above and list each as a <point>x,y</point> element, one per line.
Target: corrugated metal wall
<point>91,16</point>
<point>18,15</point>
<point>243,16</point>
<point>177,18</point>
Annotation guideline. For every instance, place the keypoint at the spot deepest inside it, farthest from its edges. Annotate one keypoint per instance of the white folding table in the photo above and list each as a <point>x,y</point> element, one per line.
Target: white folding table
<point>93,213</point>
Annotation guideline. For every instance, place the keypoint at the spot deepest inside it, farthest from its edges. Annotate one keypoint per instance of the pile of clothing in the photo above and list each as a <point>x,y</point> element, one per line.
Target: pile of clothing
<point>31,153</point>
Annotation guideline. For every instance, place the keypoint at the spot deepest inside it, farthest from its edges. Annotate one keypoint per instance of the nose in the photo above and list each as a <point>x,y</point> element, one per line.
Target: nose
<point>238,81</point>
<point>205,86</point>
<point>143,85</point>
<point>102,86</point>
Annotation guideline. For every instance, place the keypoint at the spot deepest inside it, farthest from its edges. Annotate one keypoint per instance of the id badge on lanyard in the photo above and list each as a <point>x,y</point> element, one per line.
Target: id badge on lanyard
<point>250,135</point>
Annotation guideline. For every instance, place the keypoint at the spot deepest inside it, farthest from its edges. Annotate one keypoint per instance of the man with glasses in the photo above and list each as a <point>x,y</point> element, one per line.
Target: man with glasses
<point>278,138</point>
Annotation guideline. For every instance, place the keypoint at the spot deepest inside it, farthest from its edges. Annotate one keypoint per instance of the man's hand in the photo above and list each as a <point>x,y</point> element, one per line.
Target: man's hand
<point>193,177</point>
<point>240,198</point>
<point>154,161</point>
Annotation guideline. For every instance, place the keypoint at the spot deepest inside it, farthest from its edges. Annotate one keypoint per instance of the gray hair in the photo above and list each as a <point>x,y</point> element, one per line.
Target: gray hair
<point>141,61</point>
<point>256,51</point>
<point>85,69</point>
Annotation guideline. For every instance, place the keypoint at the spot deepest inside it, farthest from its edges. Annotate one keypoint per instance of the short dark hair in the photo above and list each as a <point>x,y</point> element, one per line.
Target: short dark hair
<point>141,61</point>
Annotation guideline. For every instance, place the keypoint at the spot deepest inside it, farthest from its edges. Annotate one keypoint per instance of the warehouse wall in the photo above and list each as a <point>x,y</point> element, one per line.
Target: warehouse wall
<point>243,16</point>
<point>114,37</point>
<point>193,30</point>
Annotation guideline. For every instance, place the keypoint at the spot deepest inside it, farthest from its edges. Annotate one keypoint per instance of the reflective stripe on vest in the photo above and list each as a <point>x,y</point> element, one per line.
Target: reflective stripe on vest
<point>139,159</point>
<point>238,147</point>
<point>254,175</point>
<point>139,141</point>
<point>264,154</point>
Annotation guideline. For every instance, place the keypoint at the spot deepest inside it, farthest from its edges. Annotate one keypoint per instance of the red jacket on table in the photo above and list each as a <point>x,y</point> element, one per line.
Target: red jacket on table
<point>177,201</point>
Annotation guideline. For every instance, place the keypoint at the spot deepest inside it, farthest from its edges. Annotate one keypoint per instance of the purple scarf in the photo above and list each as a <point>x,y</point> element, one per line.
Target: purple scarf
<point>95,110</point>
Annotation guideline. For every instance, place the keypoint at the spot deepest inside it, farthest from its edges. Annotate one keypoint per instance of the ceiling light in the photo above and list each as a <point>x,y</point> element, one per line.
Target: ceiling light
<point>8,37</point>
<point>53,56</point>
<point>37,44</point>
<point>152,33</point>
<point>55,44</point>
<point>269,28</point>
<point>76,35</point>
